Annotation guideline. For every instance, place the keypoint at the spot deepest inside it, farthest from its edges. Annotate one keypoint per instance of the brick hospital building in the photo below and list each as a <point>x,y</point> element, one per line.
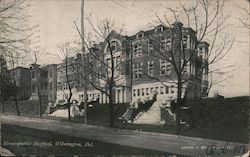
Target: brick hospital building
<point>140,69</point>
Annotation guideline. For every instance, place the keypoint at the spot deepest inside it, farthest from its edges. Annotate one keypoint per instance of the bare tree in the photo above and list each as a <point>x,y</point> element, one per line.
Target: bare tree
<point>208,19</point>
<point>14,62</point>
<point>245,18</point>
<point>16,33</point>
<point>67,67</point>
<point>4,81</point>
<point>102,71</point>
<point>38,77</point>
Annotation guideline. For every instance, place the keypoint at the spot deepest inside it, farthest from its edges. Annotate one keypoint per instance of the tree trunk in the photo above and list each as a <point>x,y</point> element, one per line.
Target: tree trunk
<point>16,101</point>
<point>69,116</point>
<point>111,107</point>
<point>68,104</point>
<point>69,99</point>
<point>178,107</point>
<point>39,100</point>
<point>17,108</point>
<point>3,107</point>
<point>2,101</point>
<point>84,63</point>
<point>40,104</point>
<point>85,106</point>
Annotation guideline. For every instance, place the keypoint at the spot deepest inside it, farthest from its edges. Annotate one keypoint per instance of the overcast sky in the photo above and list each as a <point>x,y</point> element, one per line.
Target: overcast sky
<point>56,19</point>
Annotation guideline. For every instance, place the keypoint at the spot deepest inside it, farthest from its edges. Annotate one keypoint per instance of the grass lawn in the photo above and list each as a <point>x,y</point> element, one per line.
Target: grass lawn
<point>89,147</point>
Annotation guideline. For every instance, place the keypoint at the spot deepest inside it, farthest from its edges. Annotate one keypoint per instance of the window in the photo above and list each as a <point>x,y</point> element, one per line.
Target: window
<point>168,68</point>
<point>134,92</point>
<point>185,70</point>
<point>91,78</point>
<point>99,63</point>
<point>137,70</point>
<point>161,90</point>
<point>163,67</point>
<point>168,44</point>
<point>135,74</point>
<point>118,63</point>
<point>109,65</point>
<point>90,59</point>
<point>172,88</point>
<point>113,46</point>
<point>142,92</point>
<point>75,83</point>
<point>156,90</point>
<point>158,30</point>
<point>166,89</point>
<point>138,92</point>
<point>137,50</point>
<point>184,41</point>
<point>50,86</point>
<point>140,70</point>
<point>151,68</point>
<point>163,42</point>
<point>147,91</point>
<point>151,90</point>
<point>140,35</point>
<point>150,46</point>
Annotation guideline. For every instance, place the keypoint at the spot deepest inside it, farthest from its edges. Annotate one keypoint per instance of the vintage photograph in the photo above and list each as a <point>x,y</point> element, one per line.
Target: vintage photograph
<point>121,78</point>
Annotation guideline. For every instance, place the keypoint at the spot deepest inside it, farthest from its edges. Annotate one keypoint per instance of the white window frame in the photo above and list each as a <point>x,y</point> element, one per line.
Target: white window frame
<point>151,67</point>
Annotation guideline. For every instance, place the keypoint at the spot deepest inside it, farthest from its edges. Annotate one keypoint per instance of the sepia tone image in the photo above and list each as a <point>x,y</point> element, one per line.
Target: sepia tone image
<point>125,78</point>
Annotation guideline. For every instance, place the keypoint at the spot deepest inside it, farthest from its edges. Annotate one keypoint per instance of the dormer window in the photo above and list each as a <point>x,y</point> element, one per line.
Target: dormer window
<point>114,46</point>
<point>140,35</point>
<point>158,29</point>
<point>200,51</point>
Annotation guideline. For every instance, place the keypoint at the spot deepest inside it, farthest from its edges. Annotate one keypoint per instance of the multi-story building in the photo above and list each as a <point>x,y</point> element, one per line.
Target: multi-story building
<point>44,80</point>
<point>21,77</point>
<point>68,72</point>
<point>52,81</point>
<point>141,69</point>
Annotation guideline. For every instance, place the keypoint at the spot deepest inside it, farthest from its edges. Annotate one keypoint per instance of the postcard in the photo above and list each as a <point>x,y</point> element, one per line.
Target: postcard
<point>124,78</point>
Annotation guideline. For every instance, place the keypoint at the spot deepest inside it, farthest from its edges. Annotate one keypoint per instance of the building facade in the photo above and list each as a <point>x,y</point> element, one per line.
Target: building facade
<point>69,72</point>
<point>43,81</point>
<point>141,65</point>
<point>21,77</point>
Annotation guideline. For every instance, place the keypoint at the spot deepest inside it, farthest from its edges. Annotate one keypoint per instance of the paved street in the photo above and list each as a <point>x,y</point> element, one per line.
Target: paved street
<point>155,141</point>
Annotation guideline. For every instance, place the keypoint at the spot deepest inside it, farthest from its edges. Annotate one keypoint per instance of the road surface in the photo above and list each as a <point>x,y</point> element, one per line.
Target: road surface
<point>155,141</point>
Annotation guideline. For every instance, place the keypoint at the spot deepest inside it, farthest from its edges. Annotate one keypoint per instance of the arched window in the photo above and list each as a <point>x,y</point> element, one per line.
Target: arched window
<point>115,45</point>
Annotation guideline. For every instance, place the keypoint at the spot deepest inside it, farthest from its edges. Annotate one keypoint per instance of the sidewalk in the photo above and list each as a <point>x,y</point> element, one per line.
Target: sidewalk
<point>155,141</point>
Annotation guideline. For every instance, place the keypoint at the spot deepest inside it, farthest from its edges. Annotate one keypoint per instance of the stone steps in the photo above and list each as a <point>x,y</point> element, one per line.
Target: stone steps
<point>60,113</point>
<point>152,116</point>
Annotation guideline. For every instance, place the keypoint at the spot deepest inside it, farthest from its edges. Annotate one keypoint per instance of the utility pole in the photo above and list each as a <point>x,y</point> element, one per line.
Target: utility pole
<point>1,82</point>
<point>1,91</point>
<point>84,62</point>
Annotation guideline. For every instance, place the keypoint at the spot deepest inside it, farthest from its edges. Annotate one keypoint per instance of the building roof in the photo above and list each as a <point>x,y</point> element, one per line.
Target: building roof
<point>19,67</point>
